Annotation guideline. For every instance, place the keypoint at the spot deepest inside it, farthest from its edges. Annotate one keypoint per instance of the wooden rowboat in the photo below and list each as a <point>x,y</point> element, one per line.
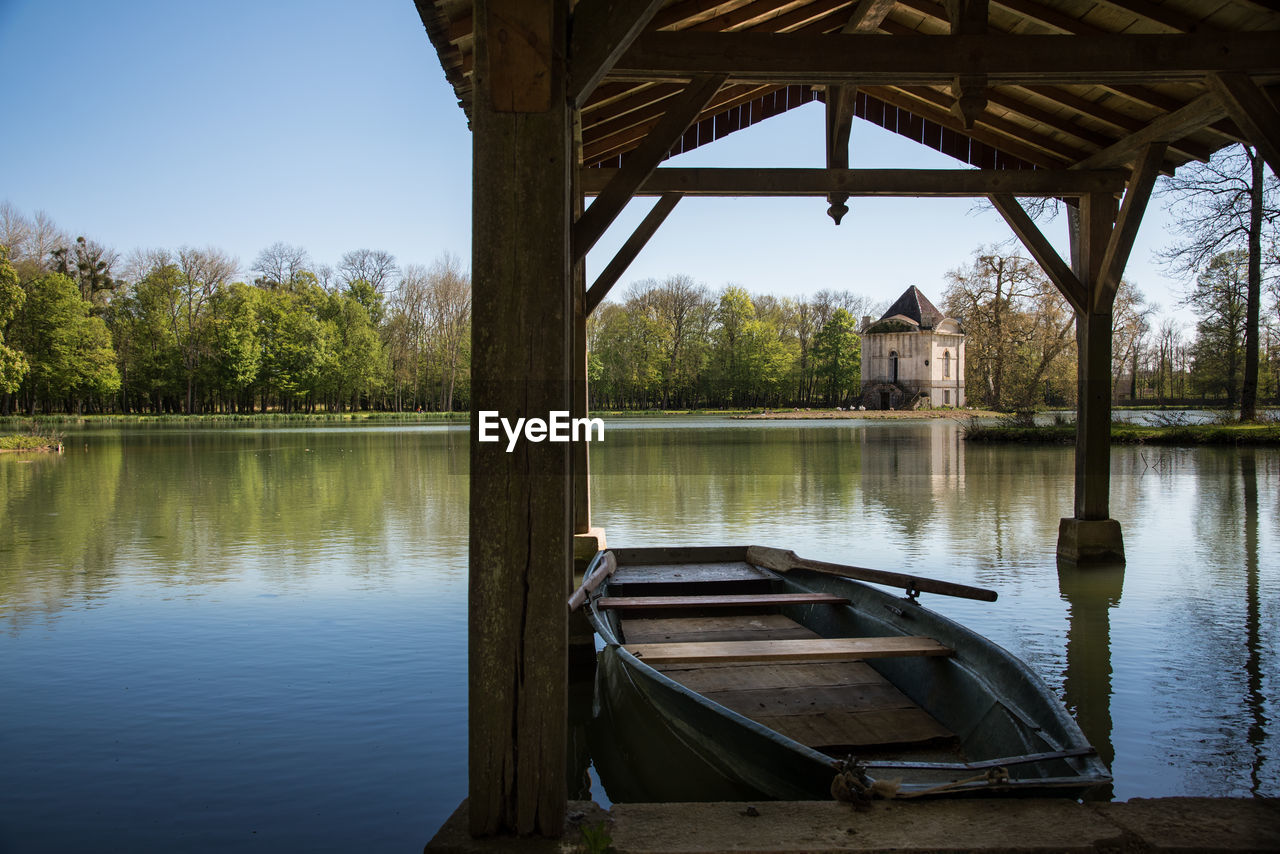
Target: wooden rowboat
<point>744,673</point>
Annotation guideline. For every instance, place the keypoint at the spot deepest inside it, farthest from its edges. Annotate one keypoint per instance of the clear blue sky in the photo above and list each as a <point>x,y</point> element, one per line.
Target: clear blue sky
<point>155,123</point>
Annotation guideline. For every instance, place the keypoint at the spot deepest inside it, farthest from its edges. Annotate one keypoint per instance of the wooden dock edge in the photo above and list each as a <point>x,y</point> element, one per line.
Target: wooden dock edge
<point>1010,826</point>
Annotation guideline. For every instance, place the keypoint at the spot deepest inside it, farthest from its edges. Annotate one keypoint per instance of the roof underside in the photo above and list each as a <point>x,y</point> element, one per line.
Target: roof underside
<point>1022,126</point>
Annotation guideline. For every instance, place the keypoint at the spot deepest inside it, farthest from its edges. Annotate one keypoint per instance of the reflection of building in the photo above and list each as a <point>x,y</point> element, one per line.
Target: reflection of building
<point>912,356</point>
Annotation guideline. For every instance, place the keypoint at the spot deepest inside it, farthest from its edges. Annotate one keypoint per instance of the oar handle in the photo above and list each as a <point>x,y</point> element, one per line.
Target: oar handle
<point>782,560</point>
<point>604,567</point>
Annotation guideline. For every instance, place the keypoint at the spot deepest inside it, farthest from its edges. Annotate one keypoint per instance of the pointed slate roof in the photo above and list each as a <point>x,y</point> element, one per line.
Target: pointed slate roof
<point>916,306</point>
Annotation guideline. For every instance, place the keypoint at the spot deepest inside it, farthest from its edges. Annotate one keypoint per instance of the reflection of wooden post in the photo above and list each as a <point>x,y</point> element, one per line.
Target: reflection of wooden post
<point>521,353</point>
<point>1091,594</point>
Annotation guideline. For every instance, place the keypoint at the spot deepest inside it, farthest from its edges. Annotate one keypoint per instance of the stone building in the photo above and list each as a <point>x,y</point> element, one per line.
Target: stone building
<point>912,357</point>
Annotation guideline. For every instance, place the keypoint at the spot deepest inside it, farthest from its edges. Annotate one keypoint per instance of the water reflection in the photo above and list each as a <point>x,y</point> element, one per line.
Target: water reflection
<point>1091,593</point>
<point>241,630</point>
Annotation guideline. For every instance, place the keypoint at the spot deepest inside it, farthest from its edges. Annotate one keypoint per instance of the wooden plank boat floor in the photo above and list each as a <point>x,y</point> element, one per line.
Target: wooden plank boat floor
<point>833,706</point>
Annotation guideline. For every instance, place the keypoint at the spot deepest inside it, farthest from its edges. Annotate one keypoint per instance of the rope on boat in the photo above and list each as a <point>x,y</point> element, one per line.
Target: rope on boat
<point>992,777</point>
<point>852,785</point>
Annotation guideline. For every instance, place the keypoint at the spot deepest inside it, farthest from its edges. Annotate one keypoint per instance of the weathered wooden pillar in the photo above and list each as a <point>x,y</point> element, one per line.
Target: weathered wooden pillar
<point>581,455</point>
<point>522,350</point>
<point>1090,534</point>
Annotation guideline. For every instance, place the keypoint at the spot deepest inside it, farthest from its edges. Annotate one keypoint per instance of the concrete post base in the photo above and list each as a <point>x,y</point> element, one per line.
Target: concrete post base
<point>582,648</point>
<point>1090,541</point>
<point>586,545</point>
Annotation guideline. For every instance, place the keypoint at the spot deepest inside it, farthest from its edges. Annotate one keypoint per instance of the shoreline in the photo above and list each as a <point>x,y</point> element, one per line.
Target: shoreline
<point>886,414</point>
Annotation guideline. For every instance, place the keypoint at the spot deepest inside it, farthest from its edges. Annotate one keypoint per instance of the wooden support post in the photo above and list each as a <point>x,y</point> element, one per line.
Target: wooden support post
<point>1091,535</point>
<point>581,453</point>
<point>522,348</point>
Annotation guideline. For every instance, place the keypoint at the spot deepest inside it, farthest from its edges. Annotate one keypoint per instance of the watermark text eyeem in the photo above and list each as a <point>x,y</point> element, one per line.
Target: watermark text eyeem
<point>558,427</point>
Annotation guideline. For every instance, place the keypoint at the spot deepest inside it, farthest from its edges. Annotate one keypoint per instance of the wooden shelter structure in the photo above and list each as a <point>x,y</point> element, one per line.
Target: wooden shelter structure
<point>1083,100</point>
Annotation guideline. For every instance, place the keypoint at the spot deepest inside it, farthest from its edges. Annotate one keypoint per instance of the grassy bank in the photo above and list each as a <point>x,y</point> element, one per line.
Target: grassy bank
<point>832,414</point>
<point>1132,434</point>
<point>264,418</point>
<point>15,442</point>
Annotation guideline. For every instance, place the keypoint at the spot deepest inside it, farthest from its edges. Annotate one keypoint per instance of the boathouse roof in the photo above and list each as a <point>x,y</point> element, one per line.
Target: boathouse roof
<point>1055,108</point>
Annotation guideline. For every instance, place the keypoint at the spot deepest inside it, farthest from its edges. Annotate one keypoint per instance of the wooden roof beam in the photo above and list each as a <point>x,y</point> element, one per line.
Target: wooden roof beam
<point>932,60</point>
<point>641,163</point>
<point>613,271</point>
<point>937,183</point>
<point>602,30</point>
<point>1251,109</point>
<point>1015,146</point>
<point>1202,111</point>
<point>1004,126</point>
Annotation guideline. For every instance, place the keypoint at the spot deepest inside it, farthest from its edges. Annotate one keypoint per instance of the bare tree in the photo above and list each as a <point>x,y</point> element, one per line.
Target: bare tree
<point>279,265</point>
<point>201,272</point>
<point>15,231</point>
<point>1222,205</point>
<point>374,266</point>
<point>449,310</point>
<point>676,304</point>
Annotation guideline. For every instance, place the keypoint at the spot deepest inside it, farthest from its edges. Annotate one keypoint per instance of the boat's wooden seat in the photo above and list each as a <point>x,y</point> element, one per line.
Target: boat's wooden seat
<point>788,649</point>
<point>741,600</point>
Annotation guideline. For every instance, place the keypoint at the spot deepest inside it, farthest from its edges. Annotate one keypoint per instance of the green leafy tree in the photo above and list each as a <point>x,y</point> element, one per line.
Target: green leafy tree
<point>70,352</point>
<point>235,351</point>
<point>838,351</point>
<point>13,365</point>
<point>297,348</point>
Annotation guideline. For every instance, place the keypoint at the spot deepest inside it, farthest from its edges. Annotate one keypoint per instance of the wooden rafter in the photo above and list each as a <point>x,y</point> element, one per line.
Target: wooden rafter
<point>1174,126</point>
<point>642,161</point>
<point>602,31</point>
<point>613,271</point>
<point>1253,111</point>
<point>1170,19</point>
<point>862,182</point>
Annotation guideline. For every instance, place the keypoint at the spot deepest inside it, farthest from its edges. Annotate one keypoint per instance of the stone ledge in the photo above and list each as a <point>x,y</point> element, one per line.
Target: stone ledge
<point>1007,826</point>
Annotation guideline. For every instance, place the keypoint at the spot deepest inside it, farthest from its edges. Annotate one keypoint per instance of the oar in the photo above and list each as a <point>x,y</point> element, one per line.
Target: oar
<point>604,568</point>
<point>782,560</point>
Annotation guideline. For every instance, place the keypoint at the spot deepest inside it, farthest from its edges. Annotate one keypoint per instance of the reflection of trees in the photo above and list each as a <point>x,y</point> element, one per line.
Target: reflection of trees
<point>1091,593</point>
<point>656,481</point>
<point>1209,682</point>
<point>55,523</point>
<point>200,508</point>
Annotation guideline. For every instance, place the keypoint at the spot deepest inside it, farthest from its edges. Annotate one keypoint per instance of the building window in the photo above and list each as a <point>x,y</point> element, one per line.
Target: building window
<point>946,397</point>
<point>946,363</point>
<point>893,366</point>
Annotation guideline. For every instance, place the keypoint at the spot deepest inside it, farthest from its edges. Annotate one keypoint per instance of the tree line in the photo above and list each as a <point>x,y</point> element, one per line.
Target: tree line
<point>175,331</point>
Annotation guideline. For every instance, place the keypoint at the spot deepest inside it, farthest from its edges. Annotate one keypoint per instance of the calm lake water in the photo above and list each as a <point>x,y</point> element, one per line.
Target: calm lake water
<point>256,638</point>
